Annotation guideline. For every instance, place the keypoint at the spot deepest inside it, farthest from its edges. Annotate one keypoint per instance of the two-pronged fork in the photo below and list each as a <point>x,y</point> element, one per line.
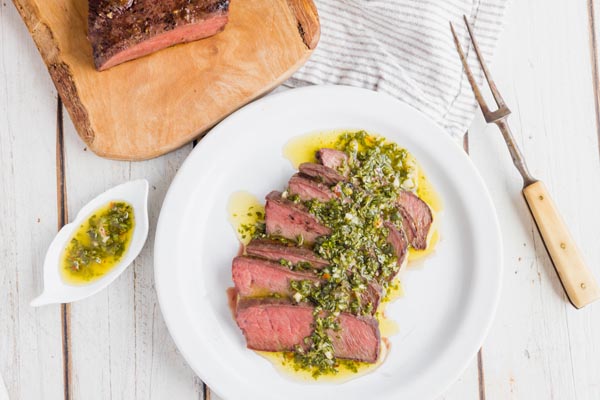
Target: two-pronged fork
<point>577,279</point>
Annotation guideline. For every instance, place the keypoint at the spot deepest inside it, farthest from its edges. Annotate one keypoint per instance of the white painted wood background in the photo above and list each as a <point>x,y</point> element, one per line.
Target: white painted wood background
<point>118,346</point>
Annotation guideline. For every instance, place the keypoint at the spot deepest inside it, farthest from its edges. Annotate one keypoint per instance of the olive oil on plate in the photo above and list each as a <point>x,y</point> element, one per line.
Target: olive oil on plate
<point>98,244</point>
<point>347,370</point>
<point>245,211</point>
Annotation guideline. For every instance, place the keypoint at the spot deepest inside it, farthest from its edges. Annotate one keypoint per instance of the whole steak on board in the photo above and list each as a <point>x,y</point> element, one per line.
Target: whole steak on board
<point>123,30</point>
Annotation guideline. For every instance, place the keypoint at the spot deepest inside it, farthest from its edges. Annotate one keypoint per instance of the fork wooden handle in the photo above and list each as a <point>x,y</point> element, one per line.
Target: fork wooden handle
<point>577,279</point>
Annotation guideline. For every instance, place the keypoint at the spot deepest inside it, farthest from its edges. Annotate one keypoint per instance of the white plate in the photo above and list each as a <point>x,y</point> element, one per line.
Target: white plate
<point>449,303</point>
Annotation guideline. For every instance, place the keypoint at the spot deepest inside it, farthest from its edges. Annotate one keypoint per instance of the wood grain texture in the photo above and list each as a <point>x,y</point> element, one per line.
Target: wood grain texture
<point>579,283</point>
<point>30,339</point>
<point>594,32</point>
<point>153,105</point>
<point>539,346</point>
<point>62,220</point>
<point>120,345</point>
<point>307,19</point>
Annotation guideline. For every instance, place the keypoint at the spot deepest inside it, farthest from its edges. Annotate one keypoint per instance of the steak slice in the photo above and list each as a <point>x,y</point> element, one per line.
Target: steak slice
<point>257,277</point>
<point>290,220</point>
<point>321,173</point>
<point>399,242</point>
<point>307,189</point>
<point>373,295</point>
<point>277,251</point>
<point>332,158</point>
<point>122,30</point>
<point>416,219</point>
<point>275,325</point>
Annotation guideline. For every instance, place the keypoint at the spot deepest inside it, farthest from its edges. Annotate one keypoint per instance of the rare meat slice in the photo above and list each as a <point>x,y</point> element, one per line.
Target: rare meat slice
<point>275,325</point>
<point>399,242</point>
<point>290,220</point>
<point>122,30</point>
<point>417,219</point>
<point>256,277</point>
<point>277,251</point>
<point>332,158</point>
<point>321,173</point>
<point>308,189</point>
<point>372,295</point>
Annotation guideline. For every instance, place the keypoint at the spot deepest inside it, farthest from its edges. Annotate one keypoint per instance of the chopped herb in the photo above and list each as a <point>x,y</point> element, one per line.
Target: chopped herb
<point>357,250</point>
<point>99,243</point>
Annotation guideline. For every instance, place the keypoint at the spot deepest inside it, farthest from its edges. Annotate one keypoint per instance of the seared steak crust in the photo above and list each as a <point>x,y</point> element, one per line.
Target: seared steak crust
<point>121,30</point>
<point>278,325</point>
<point>332,158</point>
<point>321,173</point>
<point>290,220</point>
<point>257,277</point>
<point>277,251</point>
<point>417,219</point>
<point>308,189</point>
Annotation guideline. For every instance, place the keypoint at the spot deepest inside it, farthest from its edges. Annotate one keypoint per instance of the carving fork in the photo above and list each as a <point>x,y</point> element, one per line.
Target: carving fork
<point>577,280</point>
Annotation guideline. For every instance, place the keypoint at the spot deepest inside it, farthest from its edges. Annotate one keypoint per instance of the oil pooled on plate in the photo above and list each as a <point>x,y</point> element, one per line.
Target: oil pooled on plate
<point>246,210</point>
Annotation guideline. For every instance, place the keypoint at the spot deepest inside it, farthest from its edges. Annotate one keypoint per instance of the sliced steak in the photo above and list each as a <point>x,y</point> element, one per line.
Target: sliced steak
<point>122,30</point>
<point>399,242</point>
<point>332,158</point>
<point>373,295</point>
<point>256,277</point>
<point>321,173</point>
<point>277,251</point>
<point>290,220</point>
<point>275,325</point>
<point>308,189</point>
<point>417,219</point>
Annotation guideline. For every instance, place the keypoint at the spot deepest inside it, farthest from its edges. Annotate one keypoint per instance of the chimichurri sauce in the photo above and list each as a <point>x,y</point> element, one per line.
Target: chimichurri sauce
<point>358,248</point>
<point>98,244</point>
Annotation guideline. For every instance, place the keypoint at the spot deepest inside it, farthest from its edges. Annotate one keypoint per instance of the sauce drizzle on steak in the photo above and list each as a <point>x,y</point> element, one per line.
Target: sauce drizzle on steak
<point>327,253</point>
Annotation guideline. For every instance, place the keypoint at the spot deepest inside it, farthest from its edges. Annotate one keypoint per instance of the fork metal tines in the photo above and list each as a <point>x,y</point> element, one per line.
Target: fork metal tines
<point>499,116</point>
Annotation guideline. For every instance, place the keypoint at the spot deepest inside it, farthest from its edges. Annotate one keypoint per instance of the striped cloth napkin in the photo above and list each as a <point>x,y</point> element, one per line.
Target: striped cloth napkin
<point>404,48</point>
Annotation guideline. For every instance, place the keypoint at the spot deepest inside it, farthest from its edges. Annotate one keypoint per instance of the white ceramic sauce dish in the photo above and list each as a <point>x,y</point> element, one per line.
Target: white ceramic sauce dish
<point>56,289</point>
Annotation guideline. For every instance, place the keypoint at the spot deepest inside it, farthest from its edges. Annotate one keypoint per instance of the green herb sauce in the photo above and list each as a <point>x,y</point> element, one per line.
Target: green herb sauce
<point>357,249</point>
<point>99,243</point>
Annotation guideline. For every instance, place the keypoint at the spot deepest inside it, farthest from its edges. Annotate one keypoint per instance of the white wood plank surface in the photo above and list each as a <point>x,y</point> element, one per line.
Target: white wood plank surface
<point>120,345</point>
<point>594,31</point>
<point>540,346</point>
<point>30,339</point>
<point>466,387</point>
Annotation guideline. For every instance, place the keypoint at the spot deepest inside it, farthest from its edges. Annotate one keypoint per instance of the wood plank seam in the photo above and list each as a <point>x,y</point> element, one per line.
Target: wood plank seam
<point>61,198</point>
<point>571,354</point>
<point>205,394</point>
<point>594,60</point>
<point>480,372</point>
<point>59,71</point>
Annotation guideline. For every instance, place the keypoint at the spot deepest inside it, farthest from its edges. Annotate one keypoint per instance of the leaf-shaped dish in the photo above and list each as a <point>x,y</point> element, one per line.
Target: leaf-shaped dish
<point>56,289</point>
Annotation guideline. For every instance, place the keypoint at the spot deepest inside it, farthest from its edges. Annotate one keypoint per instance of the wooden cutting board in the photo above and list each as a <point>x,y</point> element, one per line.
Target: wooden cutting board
<point>150,106</point>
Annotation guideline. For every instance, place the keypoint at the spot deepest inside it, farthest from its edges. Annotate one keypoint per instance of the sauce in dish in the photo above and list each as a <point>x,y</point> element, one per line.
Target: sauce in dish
<point>321,259</point>
<point>98,244</point>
